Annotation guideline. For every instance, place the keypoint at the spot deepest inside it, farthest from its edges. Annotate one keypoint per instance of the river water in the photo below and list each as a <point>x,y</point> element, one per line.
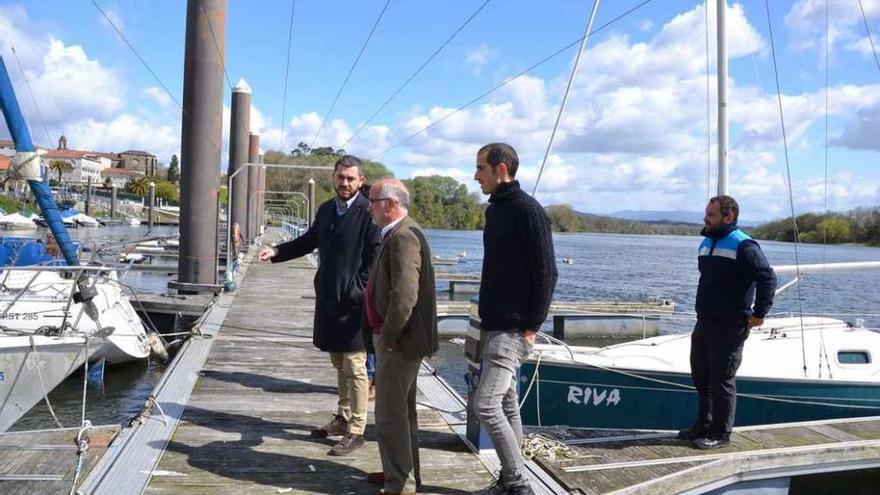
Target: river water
<point>606,267</point>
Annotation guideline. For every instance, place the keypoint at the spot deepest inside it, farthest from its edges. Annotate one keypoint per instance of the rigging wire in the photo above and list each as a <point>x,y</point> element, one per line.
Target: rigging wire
<point>150,70</point>
<point>217,46</point>
<point>708,113</point>
<point>822,278</point>
<point>574,70</point>
<point>286,74</point>
<point>509,80</point>
<point>870,38</point>
<point>790,195</point>
<point>414,74</point>
<point>27,84</point>
<point>350,71</point>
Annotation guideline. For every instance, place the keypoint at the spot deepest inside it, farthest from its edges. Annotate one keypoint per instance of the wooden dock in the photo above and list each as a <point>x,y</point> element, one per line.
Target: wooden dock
<point>44,461</point>
<point>758,457</point>
<point>263,387</point>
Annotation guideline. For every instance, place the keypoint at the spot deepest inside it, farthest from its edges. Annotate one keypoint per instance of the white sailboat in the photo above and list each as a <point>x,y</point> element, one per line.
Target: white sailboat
<point>793,369</point>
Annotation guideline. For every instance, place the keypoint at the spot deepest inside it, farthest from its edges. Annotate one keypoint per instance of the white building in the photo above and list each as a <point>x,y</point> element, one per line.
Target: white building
<point>86,165</point>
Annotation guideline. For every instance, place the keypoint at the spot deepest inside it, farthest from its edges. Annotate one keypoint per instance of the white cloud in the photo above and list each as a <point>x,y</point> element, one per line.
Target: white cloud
<point>478,57</point>
<point>122,133</point>
<point>806,23</point>
<point>158,95</point>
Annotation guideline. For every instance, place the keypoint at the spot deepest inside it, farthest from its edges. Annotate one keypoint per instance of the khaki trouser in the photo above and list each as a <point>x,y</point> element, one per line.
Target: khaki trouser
<point>397,424</point>
<point>354,388</point>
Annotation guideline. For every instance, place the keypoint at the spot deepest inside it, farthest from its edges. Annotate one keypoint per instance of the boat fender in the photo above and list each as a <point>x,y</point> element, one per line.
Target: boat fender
<point>157,347</point>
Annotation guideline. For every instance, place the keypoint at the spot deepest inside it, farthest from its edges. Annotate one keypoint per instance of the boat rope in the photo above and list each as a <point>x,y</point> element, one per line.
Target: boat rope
<point>538,445</point>
<point>36,361</point>
<point>574,69</point>
<point>82,446</point>
<point>788,178</point>
<point>286,73</point>
<point>147,410</point>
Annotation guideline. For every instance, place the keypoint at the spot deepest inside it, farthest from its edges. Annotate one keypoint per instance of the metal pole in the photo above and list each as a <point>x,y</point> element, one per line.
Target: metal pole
<point>312,205</point>
<point>238,153</point>
<point>229,200</point>
<point>201,135</point>
<point>151,216</point>
<point>88,196</point>
<point>723,171</point>
<point>112,200</point>
<point>254,189</point>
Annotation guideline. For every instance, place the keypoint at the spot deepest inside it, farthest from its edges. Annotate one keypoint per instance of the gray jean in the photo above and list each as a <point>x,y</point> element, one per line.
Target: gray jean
<point>496,402</point>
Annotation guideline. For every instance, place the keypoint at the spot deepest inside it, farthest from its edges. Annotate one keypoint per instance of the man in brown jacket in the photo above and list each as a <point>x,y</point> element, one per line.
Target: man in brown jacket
<point>401,315</point>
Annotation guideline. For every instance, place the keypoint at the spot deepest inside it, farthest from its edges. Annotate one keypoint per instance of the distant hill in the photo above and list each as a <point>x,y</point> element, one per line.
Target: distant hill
<point>667,216</point>
<point>563,218</point>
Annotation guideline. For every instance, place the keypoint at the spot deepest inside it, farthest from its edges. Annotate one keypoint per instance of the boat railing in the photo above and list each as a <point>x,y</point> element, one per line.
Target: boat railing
<point>76,275</point>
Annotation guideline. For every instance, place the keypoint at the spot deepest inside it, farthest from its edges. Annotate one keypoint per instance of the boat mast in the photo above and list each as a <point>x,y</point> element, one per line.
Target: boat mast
<point>723,171</point>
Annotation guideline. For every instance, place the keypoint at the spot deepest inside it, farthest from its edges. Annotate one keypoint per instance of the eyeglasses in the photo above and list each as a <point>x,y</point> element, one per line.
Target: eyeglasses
<point>373,200</point>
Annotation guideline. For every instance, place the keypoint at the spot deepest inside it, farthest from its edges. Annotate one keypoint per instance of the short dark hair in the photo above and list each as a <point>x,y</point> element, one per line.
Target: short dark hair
<point>728,205</point>
<point>347,161</point>
<point>498,153</point>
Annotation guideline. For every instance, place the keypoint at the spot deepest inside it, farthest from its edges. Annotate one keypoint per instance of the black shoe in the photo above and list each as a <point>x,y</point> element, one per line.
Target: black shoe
<point>496,488</point>
<point>347,445</point>
<point>709,443</point>
<point>520,490</point>
<point>691,434</point>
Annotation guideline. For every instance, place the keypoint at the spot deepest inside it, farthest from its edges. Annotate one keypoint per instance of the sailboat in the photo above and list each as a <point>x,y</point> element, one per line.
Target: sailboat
<point>50,324</point>
<point>793,368</point>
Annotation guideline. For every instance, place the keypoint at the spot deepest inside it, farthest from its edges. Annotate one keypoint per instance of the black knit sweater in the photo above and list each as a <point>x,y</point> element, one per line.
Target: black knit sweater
<point>519,266</point>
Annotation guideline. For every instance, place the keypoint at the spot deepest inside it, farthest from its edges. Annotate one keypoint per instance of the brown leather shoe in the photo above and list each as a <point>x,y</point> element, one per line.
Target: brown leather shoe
<point>349,443</point>
<point>377,478</point>
<point>339,426</point>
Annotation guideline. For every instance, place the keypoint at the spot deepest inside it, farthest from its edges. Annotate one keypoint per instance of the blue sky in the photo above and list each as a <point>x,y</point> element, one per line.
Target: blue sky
<point>633,135</point>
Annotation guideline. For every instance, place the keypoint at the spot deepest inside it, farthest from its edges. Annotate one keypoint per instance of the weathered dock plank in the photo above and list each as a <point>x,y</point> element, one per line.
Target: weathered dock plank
<point>263,388</point>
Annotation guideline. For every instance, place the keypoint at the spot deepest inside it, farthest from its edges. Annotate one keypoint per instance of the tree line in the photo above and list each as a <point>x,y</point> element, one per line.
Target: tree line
<point>860,225</point>
<point>436,202</point>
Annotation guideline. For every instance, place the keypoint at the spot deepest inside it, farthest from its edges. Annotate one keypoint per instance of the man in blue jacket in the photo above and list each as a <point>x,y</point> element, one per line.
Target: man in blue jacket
<point>735,292</point>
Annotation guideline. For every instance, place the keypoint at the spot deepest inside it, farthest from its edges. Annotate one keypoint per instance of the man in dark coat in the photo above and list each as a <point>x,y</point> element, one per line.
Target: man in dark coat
<point>347,242</point>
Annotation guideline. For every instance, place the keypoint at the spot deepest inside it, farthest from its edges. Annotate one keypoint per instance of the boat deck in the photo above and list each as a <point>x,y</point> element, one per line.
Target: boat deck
<point>658,463</point>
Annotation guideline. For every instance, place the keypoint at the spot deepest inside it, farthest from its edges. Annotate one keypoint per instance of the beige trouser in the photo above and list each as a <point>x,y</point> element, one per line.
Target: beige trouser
<point>397,423</point>
<point>354,388</point>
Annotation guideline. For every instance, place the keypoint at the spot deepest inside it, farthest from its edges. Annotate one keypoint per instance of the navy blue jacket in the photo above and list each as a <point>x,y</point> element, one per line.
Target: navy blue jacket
<point>734,274</point>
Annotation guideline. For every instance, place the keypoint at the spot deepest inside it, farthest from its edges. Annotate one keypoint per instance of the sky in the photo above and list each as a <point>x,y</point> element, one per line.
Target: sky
<point>633,135</point>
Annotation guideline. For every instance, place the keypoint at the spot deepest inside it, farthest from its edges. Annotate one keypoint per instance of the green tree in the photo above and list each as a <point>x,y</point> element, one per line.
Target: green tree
<point>174,170</point>
<point>563,218</point>
<point>139,186</point>
<point>442,202</point>
<point>167,191</point>
<point>60,167</point>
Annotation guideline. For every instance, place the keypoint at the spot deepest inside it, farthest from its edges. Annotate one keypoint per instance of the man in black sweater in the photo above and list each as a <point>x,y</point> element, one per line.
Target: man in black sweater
<point>519,275</point>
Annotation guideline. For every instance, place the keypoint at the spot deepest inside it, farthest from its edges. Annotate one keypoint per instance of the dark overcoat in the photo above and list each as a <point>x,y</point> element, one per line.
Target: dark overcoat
<point>346,247</point>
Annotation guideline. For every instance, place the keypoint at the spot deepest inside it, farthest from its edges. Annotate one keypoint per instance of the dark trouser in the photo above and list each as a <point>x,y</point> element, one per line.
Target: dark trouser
<point>716,352</point>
